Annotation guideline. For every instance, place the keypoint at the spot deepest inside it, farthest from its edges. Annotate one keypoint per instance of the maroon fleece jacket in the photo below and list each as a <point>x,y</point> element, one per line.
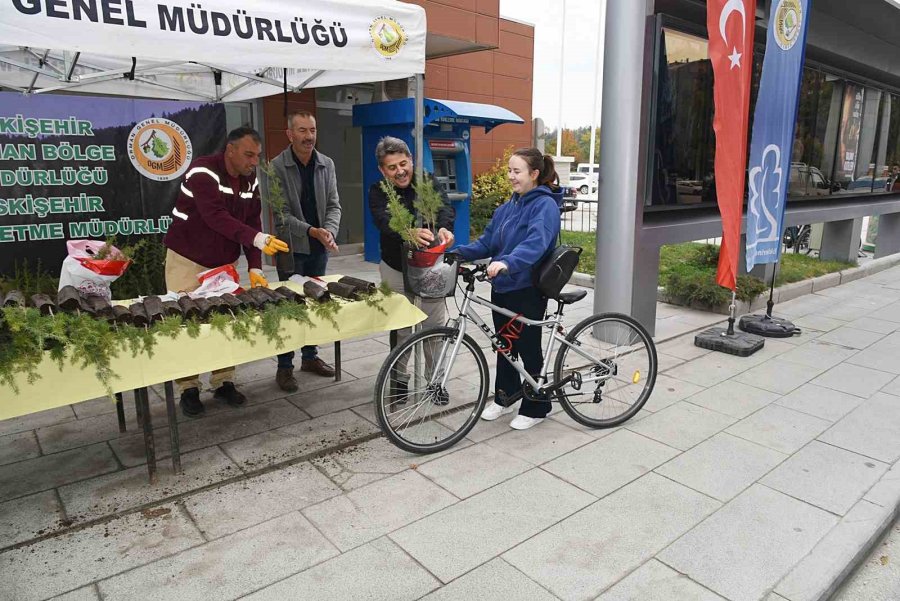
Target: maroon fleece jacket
<point>215,215</point>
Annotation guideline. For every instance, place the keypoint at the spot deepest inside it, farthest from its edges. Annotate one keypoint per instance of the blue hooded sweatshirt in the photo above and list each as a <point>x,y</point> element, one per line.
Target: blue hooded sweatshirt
<point>521,233</point>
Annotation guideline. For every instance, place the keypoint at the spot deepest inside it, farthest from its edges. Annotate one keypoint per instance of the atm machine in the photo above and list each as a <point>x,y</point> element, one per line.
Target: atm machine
<point>447,150</point>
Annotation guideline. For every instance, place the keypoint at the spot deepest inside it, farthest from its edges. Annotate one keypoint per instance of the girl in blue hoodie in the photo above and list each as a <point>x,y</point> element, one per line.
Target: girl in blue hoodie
<point>520,234</point>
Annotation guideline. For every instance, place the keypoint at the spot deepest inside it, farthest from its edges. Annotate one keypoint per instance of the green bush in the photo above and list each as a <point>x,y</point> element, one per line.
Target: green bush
<point>489,190</point>
<point>147,273</point>
<point>480,212</point>
<point>30,280</point>
<point>145,276</point>
<point>691,283</point>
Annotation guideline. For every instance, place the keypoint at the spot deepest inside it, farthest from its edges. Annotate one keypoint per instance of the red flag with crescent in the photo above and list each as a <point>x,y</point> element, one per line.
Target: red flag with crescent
<point>730,24</point>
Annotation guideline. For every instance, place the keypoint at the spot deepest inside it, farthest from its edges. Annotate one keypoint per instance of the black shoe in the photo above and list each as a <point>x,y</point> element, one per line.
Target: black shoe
<point>399,391</point>
<point>317,366</point>
<point>190,403</point>
<point>285,379</point>
<point>229,394</point>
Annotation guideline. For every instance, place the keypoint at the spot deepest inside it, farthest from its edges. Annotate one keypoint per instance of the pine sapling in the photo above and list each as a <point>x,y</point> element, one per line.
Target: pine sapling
<point>401,219</point>
<point>428,202</point>
<point>275,195</point>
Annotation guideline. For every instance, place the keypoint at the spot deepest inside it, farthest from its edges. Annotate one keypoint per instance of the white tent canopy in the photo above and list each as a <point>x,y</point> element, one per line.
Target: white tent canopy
<point>228,50</point>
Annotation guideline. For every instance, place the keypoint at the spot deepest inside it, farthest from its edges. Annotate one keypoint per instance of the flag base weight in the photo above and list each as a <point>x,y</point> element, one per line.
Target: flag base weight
<point>738,343</point>
<point>770,327</point>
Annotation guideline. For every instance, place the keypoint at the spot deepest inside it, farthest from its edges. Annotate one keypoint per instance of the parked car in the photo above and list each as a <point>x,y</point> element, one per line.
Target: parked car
<point>807,180</point>
<point>589,169</point>
<point>864,184</point>
<point>583,182</point>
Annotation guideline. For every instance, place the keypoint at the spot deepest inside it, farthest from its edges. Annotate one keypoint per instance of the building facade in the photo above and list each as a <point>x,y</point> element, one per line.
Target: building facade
<point>473,55</point>
<point>846,154</point>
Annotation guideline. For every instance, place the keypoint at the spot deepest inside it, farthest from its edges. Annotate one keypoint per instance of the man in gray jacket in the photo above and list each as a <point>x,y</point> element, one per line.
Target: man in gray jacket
<point>313,214</point>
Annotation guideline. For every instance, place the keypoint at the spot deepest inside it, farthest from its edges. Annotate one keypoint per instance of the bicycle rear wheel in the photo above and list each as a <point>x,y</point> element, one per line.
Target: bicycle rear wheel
<point>418,408</point>
<point>610,360</point>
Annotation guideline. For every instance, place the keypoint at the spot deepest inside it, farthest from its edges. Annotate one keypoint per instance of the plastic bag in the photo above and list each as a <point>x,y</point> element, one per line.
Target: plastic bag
<point>217,281</point>
<point>426,274</point>
<point>89,275</point>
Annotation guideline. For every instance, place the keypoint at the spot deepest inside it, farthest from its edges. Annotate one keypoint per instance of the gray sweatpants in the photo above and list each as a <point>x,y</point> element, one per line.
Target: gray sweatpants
<point>434,308</point>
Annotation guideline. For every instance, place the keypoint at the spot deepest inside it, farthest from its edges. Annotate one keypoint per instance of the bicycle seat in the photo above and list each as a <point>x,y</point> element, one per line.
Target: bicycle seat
<point>567,298</point>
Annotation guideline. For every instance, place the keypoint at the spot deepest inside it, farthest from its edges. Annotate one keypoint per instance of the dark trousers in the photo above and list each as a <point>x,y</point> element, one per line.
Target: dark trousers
<point>532,305</point>
<point>308,265</point>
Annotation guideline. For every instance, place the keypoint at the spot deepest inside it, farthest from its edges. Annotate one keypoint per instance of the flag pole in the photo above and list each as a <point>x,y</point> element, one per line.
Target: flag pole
<point>731,56</point>
<point>770,303</point>
<point>731,311</point>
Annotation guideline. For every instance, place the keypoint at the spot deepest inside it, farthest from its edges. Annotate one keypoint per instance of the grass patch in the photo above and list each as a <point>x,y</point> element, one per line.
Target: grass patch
<point>588,242</point>
<point>796,268</point>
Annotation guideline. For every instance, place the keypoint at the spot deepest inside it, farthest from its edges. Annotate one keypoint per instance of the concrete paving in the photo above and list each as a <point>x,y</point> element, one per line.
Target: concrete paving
<point>769,477</point>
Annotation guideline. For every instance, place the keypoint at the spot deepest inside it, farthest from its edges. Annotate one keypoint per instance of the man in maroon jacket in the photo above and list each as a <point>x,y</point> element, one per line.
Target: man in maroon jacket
<point>216,214</point>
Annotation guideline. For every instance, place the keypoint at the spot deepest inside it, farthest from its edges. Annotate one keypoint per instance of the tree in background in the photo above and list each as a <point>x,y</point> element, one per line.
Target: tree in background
<point>489,190</point>
<point>570,147</point>
<point>584,142</point>
<point>575,142</point>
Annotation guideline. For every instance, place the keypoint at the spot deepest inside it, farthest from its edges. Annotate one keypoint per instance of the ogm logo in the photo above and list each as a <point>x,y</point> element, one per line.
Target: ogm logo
<point>388,36</point>
<point>160,149</point>
<point>788,21</point>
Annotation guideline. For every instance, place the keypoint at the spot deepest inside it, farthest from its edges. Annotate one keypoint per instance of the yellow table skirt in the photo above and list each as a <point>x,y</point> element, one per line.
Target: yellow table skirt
<point>186,356</point>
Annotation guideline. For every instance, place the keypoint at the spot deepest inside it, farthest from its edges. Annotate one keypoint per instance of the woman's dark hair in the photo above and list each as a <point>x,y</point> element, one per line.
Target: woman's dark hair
<point>543,163</point>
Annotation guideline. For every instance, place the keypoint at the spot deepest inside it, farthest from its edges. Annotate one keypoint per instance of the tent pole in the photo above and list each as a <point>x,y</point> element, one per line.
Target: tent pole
<point>419,360</point>
<point>71,63</point>
<point>43,61</point>
<point>420,125</point>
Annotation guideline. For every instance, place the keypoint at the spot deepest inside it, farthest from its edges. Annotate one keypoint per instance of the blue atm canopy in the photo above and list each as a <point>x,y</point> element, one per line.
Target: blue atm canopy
<point>403,111</point>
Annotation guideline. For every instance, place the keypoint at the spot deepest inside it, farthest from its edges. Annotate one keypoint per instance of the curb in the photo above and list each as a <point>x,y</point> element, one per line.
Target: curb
<point>847,545</point>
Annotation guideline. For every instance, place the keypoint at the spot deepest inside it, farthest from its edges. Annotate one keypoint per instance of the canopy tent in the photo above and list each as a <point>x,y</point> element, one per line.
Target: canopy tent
<point>237,51</point>
<point>234,51</point>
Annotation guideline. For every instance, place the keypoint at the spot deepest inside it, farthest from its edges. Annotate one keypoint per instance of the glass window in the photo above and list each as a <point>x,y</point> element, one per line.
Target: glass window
<point>855,171</point>
<point>846,140</point>
<point>887,154</point>
<point>818,115</point>
<point>684,147</point>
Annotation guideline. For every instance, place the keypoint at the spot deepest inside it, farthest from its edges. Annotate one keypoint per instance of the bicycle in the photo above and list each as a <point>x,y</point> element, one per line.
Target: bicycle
<point>603,374</point>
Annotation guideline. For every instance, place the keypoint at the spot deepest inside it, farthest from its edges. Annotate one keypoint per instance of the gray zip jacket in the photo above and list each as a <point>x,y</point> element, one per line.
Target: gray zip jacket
<point>327,201</point>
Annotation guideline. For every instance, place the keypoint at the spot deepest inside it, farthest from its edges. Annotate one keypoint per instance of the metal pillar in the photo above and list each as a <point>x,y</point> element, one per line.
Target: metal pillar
<point>420,125</point>
<point>620,208</point>
<point>646,281</point>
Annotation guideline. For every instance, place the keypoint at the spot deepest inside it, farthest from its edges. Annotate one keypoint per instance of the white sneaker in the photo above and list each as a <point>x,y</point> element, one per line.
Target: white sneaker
<point>523,422</point>
<point>494,410</point>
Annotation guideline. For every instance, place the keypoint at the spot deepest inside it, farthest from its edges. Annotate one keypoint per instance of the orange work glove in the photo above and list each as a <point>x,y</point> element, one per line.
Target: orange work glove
<point>274,245</point>
<point>257,279</point>
<point>269,244</point>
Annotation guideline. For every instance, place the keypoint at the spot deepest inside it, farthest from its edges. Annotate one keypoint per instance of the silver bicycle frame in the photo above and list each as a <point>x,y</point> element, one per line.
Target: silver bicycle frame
<point>466,314</point>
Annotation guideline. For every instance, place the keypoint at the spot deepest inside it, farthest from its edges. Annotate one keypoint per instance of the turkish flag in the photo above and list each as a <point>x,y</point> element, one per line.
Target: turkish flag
<point>730,24</point>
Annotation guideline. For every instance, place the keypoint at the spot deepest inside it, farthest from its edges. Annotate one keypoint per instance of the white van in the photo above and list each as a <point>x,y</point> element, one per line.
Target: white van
<point>592,169</point>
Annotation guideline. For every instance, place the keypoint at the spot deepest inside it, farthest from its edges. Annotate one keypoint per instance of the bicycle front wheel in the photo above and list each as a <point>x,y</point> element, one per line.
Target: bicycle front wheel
<point>431,390</point>
<point>610,362</point>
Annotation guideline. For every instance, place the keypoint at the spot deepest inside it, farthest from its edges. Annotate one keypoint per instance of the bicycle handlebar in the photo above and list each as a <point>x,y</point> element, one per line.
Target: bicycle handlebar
<point>477,271</point>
